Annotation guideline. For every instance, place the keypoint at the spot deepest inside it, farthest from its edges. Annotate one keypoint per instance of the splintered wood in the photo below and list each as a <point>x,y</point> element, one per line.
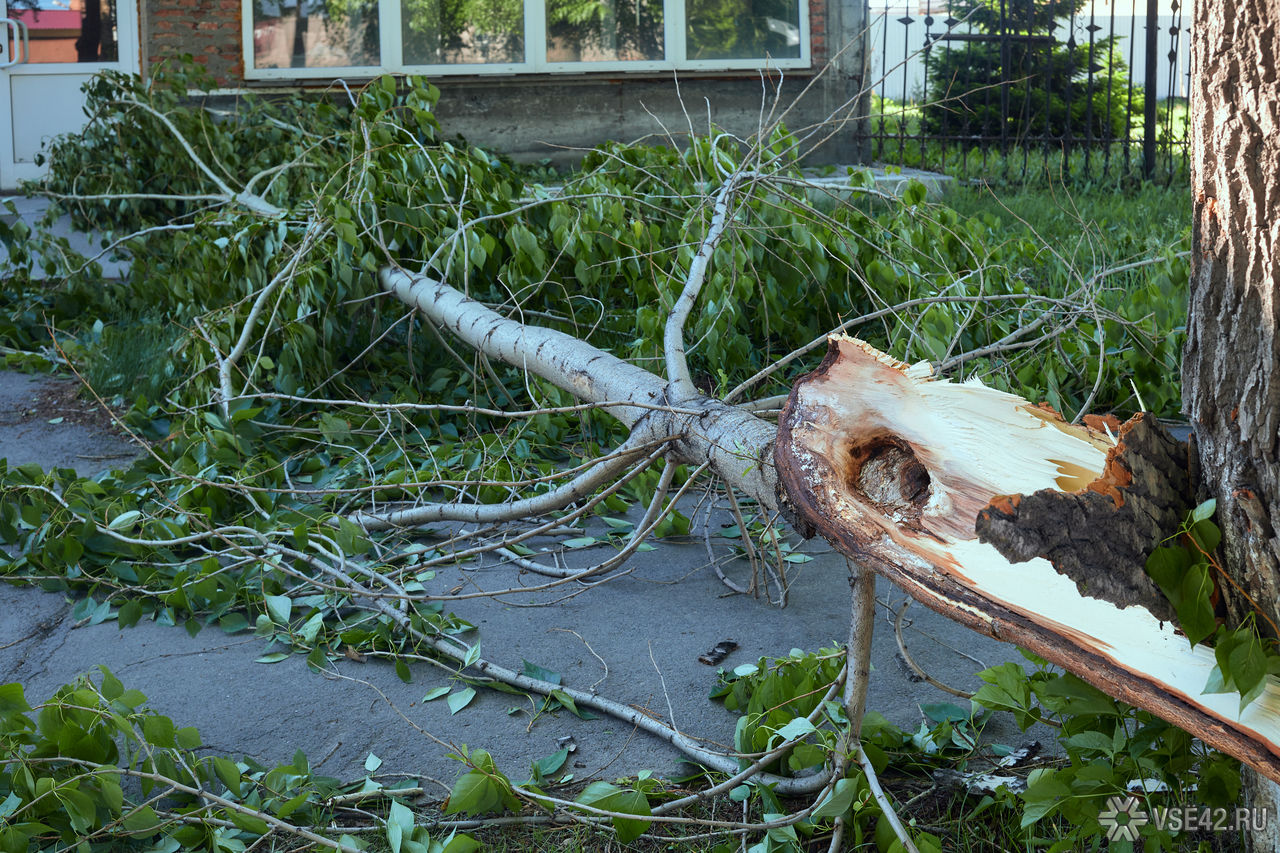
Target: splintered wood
<point>1001,515</point>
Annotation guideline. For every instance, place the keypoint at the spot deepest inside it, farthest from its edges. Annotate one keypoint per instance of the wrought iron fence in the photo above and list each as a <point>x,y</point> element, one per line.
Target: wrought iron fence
<point>1015,88</point>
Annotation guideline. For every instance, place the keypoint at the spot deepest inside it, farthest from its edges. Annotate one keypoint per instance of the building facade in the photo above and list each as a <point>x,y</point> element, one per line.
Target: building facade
<point>547,78</point>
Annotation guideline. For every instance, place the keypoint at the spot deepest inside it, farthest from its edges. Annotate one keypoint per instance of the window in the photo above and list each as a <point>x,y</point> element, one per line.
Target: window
<point>326,38</point>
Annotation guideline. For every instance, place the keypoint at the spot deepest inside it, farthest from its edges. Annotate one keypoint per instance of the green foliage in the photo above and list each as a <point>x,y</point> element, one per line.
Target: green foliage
<point>603,259</point>
<point>1189,575</point>
<point>94,766</point>
<point>1112,169</point>
<point>1019,88</point>
<point>606,257</point>
<point>1108,745</point>
<point>120,148</point>
<point>774,700</point>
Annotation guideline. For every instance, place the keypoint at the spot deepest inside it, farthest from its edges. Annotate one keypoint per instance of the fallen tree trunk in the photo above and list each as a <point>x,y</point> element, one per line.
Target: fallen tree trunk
<point>895,470</point>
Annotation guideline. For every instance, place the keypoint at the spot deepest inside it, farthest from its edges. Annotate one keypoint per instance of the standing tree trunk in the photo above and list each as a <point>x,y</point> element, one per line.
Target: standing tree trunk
<point>1231,368</point>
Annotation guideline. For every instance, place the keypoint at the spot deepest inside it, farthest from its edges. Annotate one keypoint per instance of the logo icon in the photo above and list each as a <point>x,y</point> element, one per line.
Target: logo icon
<point>1121,818</point>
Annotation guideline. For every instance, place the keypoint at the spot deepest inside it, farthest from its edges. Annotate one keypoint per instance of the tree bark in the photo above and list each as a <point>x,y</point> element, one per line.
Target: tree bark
<point>1231,366</point>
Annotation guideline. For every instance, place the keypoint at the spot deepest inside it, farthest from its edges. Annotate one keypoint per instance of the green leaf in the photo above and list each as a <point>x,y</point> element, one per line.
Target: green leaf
<point>549,764</point>
<point>228,773</point>
<point>607,797</point>
<point>1089,740</point>
<point>797,728</point>
<point>249,823</point>
<point>317,659</point>
<point>459,843</point>
<point>839,800</point>
<point>474,794</point>
<point>542,674</point>
<point>1195,613</point>
<point>280,607</point>
<point>1247,663</point>
<point>10,803</point>
<point>289,807</point>
<point>435,693</point>
<point>124,520</point>
<point>372,763</point>
<point>129,614</point>
<point>1205,510</point>
<point>1166,566</point>
<point>635,803</point>
<point>460,700</point>
<point>158,731</point>
<point>274,657</point>
<point>940,712</point>
<point>402,671</point>
<point>12,699</point>
<point>1217,682</point>
<point>79,806</point>
<point>473,655</point>
<point>142,819</point>
<point>399,825</point>
<point>1207,534</point>
<point>567,701</point>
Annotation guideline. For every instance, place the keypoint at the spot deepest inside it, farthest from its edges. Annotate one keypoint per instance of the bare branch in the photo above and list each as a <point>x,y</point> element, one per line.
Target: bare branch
<point>682,386</point>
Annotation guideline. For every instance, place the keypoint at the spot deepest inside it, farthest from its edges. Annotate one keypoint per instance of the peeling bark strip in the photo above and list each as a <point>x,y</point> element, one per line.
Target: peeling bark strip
<point>1101,536</point>
<point>894,469</point>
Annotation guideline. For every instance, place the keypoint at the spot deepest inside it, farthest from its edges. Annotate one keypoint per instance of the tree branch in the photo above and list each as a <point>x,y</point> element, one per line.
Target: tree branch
<point>682,386</point>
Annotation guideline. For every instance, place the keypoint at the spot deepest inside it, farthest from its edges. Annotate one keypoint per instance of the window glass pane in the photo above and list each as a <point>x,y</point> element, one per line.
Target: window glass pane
<point>447,32</point>
<point>67,30</point>
<point>315,33</point>
<point>604,30</point>
<point>743,29</point>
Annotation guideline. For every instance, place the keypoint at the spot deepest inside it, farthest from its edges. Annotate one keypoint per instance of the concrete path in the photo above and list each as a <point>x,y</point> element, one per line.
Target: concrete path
<point>635,639</point>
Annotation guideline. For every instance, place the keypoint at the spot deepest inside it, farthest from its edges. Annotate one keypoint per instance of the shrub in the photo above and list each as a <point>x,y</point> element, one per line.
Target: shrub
<point>1049,87</point>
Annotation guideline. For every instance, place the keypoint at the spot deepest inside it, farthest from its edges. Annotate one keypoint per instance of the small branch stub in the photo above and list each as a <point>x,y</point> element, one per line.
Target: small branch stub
<point>902,473</point>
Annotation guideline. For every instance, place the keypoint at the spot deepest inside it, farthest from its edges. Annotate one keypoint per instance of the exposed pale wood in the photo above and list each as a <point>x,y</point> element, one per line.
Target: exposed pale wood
<point>894,468</point>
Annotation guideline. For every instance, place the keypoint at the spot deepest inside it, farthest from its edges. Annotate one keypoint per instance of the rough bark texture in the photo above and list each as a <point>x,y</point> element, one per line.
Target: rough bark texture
<point>1231,368</point>
<point>894,468</point>
<point>1101,536</point>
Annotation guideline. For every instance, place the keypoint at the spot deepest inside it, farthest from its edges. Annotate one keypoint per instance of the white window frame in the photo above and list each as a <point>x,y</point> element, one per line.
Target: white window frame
<point>389,30</point>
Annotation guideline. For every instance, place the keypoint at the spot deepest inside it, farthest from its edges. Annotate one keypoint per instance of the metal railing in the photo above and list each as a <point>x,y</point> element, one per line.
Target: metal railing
<point>1012,89</point>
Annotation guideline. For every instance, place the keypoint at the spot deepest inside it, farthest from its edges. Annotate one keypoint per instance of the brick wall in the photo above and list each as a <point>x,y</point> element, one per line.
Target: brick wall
<point>818,31</point>
<point>209,30</point>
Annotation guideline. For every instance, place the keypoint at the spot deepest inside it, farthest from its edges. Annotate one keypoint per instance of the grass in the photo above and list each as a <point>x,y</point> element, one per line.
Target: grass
<point>129,357</point>
<point>897,139</point>
<point>1117,225</point>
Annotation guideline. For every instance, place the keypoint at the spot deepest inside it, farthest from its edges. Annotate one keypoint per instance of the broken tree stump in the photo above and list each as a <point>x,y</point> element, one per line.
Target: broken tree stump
<point>999,514</point>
